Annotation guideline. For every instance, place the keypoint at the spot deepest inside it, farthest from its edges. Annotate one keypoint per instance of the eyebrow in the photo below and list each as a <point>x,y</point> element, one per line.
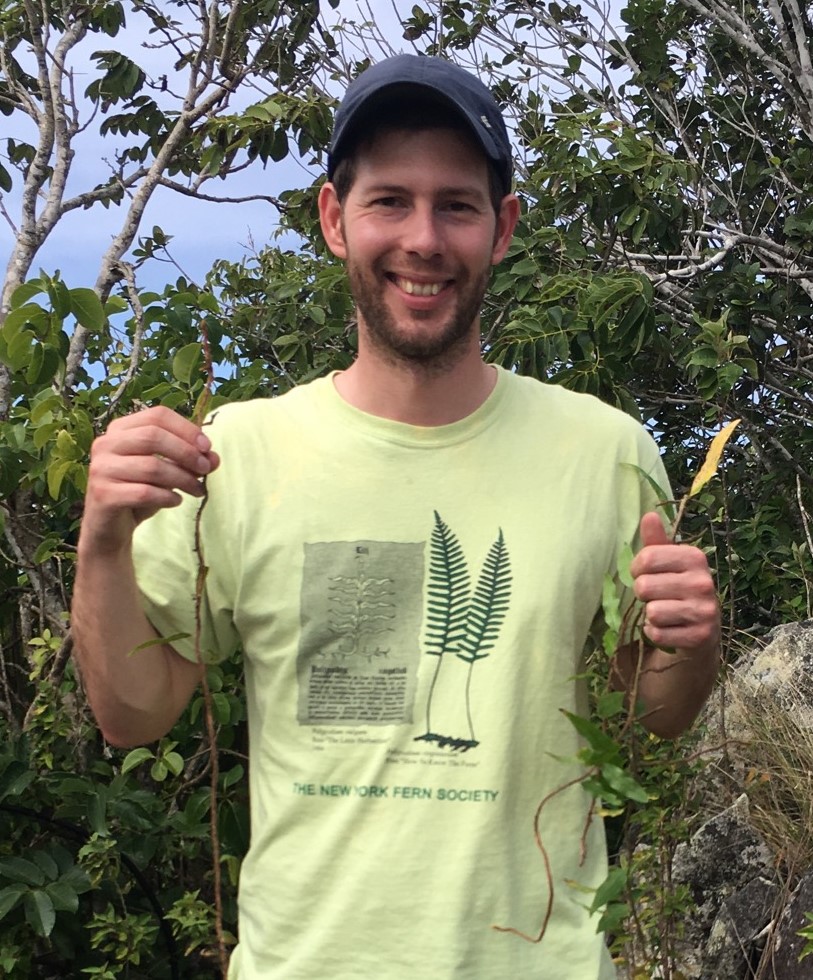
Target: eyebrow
<point>462,190</point>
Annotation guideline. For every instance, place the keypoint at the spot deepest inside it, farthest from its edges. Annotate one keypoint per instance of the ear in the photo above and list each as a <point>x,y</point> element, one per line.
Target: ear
<point>506,223</point>
<point>330,218</point>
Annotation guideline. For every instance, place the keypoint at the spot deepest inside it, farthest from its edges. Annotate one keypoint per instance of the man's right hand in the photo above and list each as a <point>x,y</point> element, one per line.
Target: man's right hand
<point>136,468</point>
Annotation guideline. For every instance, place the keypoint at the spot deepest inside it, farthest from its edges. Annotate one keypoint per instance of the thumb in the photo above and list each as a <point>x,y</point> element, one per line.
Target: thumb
<point>652,530</point>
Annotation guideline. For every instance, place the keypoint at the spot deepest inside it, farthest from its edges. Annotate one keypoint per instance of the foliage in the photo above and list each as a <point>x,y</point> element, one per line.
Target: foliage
<point>662,262</point>
<point>806,932</point>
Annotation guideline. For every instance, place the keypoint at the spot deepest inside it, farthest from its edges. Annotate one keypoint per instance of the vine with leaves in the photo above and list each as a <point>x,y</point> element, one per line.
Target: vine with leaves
<point>605,777</point>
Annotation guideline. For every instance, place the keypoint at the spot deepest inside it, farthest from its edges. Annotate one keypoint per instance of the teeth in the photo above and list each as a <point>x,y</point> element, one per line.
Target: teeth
<point>419,288</point>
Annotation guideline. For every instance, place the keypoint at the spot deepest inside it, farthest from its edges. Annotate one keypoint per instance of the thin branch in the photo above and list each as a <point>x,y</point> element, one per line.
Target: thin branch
<point>104,192</point>
<point>138,333</point>
<point>189,192</point>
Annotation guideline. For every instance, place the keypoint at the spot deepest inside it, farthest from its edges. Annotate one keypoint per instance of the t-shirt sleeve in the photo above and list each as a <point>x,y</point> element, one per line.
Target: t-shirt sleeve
<point>642,486</point>
<point>167,568</point>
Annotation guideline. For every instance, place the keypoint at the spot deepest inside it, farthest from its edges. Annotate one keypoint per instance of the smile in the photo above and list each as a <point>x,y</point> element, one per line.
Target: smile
<point>418,288</point>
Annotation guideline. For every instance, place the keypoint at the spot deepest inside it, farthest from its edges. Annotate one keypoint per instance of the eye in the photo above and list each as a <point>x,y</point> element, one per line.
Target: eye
<point>461,207</point>
<point>387,202</point>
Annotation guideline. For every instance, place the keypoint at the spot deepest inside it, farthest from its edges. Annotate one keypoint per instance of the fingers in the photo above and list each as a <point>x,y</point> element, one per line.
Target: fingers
<point>683,624</point>
<point>151,454</point>
<point>138,466</point>
<point>675,583</point>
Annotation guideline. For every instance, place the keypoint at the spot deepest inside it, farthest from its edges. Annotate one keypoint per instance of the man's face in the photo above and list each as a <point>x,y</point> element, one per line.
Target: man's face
<point>419,234</point>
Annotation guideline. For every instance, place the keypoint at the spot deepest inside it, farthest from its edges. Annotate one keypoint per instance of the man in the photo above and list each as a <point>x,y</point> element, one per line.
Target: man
<point>411,555</point>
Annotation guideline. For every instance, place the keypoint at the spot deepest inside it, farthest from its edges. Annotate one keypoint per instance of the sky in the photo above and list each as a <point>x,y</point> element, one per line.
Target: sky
<point>202,232</point>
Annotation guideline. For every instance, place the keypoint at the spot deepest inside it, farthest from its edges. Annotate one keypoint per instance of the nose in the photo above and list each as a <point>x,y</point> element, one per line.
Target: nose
<point>422,232</point>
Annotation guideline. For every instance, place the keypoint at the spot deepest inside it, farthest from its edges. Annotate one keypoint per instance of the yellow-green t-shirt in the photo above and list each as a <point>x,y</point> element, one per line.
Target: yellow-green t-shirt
<point>412,604</point>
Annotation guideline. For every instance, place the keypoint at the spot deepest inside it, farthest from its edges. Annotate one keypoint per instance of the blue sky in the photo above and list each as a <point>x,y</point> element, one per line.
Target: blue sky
<point>202,232</point>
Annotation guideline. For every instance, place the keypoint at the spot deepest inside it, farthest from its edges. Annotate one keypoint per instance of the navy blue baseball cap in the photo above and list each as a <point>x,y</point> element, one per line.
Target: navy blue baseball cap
<point>437,78</point>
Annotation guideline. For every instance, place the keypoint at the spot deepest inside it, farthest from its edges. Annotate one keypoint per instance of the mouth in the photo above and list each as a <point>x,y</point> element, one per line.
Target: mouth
<point>413,287</point>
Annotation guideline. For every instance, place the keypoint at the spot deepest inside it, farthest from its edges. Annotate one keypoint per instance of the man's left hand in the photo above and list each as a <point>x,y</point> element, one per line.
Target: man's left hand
<point>676,586</point>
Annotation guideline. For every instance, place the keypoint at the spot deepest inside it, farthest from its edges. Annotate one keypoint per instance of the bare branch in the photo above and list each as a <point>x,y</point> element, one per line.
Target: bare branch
<point>138,334</point>
<point>199,196</point>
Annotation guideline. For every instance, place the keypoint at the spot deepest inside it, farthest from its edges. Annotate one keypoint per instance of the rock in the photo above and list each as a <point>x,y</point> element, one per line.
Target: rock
<point>721,860</point>
<point>739,922</point>
<point>736,940</point>
<point>783,670</point>
<point>787,944</point>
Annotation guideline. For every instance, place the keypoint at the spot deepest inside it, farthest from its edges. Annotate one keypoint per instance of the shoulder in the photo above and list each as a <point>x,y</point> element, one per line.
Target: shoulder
<point>582,424</point>
<point>567,406</point>
<point>255,413</point>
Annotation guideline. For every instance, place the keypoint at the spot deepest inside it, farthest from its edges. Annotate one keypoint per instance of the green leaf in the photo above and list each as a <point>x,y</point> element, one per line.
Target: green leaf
<point>625,558</point>
<point>157,642</point>
<point>22,294</point>
<point>156,391</point>
<point>46,863</point>
<point>704,357</point>
<point>66,446</point>
<point>32,373</point>
<point>56,475</point>
<point>87,308</point>
<point>18,350</point>
<point>610,704</point>
<point>22,870</point>
<point>593,735</point>
<point>234,775</point>
<point>76,879</point>
<point>97,814</point>
<point>10,898</point>
<point>611,889</point>
<point>17,777</point>
<point>174,762</point>
<point>60,298</point>
<point>623,784</point>
<point>610,604</point>
<point>47,548</point>
<point>39,912</point>
<point>28,314</point>
<point>186,362</point>
<point>63,858</point>
<point>159,771</point>
<point>63,897</point>
<point>609,642</point>
<point>135,758</point>
<point>525,267</point>
<point>221,708</point>
<point>629,216</point>
<point>612,920</point>
<point>114,304</point>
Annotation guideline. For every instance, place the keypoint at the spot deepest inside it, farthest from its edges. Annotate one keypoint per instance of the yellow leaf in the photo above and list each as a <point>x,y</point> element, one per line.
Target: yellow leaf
<point>712,460</point>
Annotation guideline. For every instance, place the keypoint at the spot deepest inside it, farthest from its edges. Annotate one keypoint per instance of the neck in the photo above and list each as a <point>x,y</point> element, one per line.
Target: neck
<point>417,394</point>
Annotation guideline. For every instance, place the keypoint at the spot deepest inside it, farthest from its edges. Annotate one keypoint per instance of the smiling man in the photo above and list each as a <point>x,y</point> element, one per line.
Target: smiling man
<point>411,556</point>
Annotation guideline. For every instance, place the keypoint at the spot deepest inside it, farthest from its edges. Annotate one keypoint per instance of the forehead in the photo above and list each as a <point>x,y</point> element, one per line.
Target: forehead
<point>421,154</point>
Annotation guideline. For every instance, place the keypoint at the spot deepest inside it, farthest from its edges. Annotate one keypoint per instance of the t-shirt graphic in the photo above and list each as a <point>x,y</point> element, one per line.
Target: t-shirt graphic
<point>361,614</point>
<point>461,625</point>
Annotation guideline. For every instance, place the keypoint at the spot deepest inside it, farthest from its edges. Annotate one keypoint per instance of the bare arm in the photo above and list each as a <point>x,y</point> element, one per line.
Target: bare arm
<point>136,468</point>
<point>682,614</point>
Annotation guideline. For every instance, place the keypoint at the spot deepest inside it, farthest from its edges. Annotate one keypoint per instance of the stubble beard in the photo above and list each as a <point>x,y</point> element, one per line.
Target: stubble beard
<point>436,350</point>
